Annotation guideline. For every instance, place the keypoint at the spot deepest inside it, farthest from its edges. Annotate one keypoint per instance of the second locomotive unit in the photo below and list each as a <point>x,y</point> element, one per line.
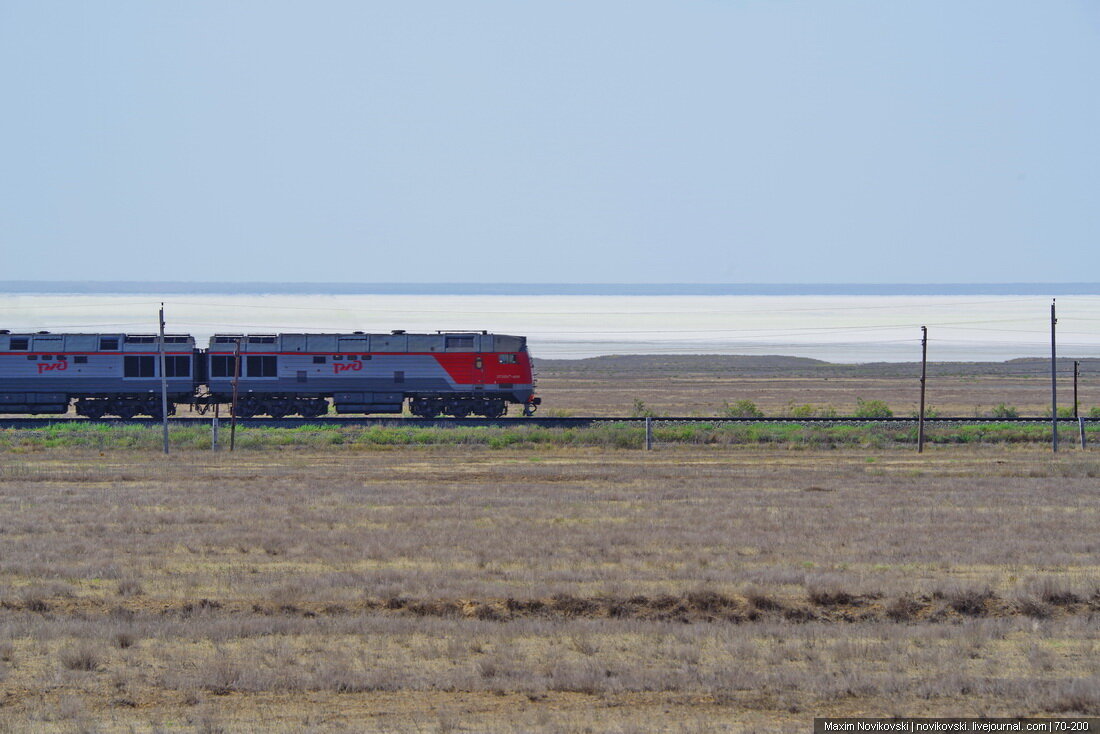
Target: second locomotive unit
<point>447,373</point>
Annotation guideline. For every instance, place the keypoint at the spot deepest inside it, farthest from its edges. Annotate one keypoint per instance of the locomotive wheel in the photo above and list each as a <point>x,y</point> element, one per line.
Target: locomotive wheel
<point>93,409</point>
<point>426,407</point>
<point>459,410</point>
<point>312,408</point>
<point>494,409</point>
<point>278,409</point>
<point>125,411</point>
<point>424,410</point>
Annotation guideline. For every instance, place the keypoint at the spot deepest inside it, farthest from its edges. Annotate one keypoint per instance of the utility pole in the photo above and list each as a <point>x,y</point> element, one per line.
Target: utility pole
<point>163,383</point>
<point>1053,380</point>
<point>233,407</point>
<point>923,379</point>
<point>1076,374</point>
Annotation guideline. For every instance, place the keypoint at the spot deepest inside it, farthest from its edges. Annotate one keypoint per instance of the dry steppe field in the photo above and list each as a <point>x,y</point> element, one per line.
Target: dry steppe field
<point>470,589</point>
<point>687,385</point>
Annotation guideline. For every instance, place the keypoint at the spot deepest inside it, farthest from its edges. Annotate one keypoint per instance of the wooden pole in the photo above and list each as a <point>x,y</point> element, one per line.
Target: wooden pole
<point>1076,373</point>
<point>233,407</point>
<point>923,379</point>
<point>163,383</point>
<point>1053,380</point>
<point>648,434</point>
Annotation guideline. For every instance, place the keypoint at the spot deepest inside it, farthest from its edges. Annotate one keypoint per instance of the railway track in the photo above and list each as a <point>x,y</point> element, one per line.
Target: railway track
<point>573,422</point>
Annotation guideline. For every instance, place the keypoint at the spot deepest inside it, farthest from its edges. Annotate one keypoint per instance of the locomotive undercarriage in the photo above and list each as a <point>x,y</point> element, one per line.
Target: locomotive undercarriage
<point>458,406</point>
<point>281,407</point>
<point>123,406</point>
<point>275,406</point>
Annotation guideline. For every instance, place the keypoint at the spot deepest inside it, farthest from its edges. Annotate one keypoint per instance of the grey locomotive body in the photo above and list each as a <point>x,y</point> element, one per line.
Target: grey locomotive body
<point>107,374</point>
<point>445,373</point>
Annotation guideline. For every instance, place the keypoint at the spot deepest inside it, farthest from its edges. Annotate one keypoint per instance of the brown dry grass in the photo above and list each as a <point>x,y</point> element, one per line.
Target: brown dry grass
<point>687,589</point>
<point>699,384</point>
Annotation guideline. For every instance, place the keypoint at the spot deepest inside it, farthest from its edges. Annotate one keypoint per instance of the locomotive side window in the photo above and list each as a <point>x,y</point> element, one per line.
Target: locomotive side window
<point>108,345</point>
<point>32,357</point>
<point>138,366</point>
<point>80,359</point>
<point>262,366</point>
<point>221,365</point>
<point>141,339</point>
<point>507,359</point>
<point>318,360</point>
<point>460,342</point>
<point>19,345</point>
<point>177,366</point>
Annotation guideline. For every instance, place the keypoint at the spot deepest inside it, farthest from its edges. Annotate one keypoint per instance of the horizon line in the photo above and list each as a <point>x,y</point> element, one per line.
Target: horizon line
<point>133,287</point>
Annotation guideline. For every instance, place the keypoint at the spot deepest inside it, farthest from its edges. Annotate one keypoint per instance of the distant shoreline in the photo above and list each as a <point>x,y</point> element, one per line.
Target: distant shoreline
<point>551,289</point>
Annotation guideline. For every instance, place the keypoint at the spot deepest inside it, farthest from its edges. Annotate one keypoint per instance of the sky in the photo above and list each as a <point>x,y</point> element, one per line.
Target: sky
<point>712,141</point>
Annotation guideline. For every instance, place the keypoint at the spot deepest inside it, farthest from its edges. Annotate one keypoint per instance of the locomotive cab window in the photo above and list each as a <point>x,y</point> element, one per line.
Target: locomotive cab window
<point>507,359</point>
<point>135,366</point>
<point>262,366</point>
<point>19,345</point>
<point>108,345</point>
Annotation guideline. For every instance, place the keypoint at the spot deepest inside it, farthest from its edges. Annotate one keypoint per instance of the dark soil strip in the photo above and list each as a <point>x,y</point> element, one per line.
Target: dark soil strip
<point>834,607</point>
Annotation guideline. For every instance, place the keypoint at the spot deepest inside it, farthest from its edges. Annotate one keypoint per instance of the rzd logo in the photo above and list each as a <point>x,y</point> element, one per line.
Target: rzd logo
<point>52,367</point>
<point>347,367</point>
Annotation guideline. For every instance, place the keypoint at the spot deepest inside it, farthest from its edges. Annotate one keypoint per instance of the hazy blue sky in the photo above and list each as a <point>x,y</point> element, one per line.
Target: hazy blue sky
<point>711,141</point>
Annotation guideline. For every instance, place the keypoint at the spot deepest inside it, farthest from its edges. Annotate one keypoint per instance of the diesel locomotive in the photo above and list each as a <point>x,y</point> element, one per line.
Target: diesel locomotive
<point>447,373</point>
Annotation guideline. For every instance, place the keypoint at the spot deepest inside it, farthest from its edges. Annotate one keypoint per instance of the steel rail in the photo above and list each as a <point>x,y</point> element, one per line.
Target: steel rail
<point>572,422</point>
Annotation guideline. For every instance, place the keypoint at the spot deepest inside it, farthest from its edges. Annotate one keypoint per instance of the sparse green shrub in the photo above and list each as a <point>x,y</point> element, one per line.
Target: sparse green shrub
<point>741,409</point>
<point>1005,411</point>
<point>1094,412</point>
<point>641,410</point>
<point>872,409</point>
<point>800,411</point>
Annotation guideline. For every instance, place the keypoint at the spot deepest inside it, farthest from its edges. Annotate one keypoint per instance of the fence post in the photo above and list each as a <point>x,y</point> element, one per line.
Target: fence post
<point>648,434</point>
<point>1081,426</point>
<point>214,433</point>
